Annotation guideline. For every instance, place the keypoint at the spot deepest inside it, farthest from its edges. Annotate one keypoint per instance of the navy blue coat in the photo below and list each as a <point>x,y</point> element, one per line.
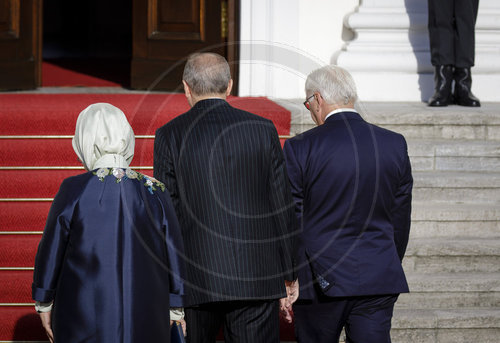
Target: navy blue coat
<point>351,182</point>
<point>109,259</point>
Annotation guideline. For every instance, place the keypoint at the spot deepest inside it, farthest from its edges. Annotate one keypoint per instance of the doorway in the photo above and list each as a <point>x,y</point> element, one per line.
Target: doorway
<point>86,43</point>
<point>127,43</point>
<point>165,32</point>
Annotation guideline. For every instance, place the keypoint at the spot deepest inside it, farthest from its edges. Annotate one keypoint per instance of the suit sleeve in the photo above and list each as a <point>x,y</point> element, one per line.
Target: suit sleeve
<point>283,206</point>
<point>164,171</point>
<point>175,253</point>
<point>401,212</point>
<point>295,177</point>
<point>52,247</point>
<point>163,167</point>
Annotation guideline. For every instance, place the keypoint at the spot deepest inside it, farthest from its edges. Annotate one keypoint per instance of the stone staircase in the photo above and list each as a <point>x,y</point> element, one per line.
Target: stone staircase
<point>453,257</point>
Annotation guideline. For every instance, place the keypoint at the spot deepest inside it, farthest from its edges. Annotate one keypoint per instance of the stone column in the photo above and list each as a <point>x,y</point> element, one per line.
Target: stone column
<point>390,56</point>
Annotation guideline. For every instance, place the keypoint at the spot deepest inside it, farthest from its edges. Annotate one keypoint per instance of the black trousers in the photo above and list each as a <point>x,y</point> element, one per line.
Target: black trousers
<point>242,321</point>
<point>366,319</point>
<point>451,32</point>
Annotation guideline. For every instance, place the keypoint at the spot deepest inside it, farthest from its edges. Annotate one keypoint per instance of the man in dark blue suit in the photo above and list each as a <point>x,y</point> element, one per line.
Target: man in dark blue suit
<point>351,182</point>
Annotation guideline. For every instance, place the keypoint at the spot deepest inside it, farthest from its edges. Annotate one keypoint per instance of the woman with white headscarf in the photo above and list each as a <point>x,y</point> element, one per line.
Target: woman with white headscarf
<point>108,267</point>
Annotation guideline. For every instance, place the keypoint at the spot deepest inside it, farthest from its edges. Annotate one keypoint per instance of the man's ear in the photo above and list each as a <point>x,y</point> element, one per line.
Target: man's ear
<point>318,98</point>
<point>187,90</point>
<point>229,87</point>
<point>318,108</point>
<point>188,93</point>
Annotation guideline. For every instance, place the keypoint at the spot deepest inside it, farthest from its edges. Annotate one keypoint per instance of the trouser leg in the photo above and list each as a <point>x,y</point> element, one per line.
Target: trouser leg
<point>465,21</point>
<point>202,324</point>
<point>441,31</point>
<point>320,321</point>
<point>370,320</point>
<point>252,321</point>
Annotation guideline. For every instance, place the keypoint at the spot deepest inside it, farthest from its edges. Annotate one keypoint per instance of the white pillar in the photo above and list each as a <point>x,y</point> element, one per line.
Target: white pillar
<point>268,60</point>
<point>390,55</point>
<point>282,41</point>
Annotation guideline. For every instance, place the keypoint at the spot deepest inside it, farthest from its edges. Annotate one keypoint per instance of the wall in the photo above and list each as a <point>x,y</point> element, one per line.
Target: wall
<point>390,55</point>
<point>283,40</point>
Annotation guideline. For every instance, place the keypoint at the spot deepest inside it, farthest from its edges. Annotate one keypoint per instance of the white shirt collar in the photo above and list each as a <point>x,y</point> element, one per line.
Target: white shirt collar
<point>348,109</point>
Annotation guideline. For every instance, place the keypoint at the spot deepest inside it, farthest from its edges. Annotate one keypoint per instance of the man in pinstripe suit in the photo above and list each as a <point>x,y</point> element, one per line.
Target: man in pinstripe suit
<point>226,175</point>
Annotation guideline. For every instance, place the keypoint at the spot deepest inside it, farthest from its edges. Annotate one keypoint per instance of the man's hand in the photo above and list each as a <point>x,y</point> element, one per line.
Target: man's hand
<point>183,324</point>
<point>285,312</point>
<point>46,323</point>
<point>292,291</point>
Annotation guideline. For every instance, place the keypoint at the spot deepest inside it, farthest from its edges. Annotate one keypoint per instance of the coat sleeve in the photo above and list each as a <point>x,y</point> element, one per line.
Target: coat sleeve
<point>401,212</point>
<point>52,247</point>
<point>295,176</point>
<point>282,204</point>
<point>175,253</point>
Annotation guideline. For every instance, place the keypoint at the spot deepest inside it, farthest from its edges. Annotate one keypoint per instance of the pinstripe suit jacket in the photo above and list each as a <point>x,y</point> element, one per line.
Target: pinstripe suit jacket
<point>226,175</point>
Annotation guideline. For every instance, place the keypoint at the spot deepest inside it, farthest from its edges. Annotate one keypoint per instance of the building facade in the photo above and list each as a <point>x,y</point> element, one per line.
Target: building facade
<point>383,43</point>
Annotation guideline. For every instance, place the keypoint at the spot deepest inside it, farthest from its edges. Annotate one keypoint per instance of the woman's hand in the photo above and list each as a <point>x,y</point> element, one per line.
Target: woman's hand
<point>46,323</point>
<point>177,315</point>
<point>183,325</point>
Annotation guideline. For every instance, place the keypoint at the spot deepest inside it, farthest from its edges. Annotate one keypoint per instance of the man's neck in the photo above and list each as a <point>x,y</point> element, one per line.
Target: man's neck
<point>196,99</point>
<point>336,109</point>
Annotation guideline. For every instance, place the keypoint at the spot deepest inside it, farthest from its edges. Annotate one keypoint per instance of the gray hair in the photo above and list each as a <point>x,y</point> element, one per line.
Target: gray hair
<point>207,73</point>
<point>334,83</point>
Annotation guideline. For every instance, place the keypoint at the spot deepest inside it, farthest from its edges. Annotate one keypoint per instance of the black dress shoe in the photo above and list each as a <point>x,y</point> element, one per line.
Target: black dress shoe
<point>463,82</point>
<point>443,76</point>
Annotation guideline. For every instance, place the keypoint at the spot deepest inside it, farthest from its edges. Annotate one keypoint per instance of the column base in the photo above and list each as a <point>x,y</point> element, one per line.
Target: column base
<point>386,86</point>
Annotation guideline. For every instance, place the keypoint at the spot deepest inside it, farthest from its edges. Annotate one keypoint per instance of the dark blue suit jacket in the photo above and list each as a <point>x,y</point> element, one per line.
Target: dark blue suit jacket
<point>352,184</point>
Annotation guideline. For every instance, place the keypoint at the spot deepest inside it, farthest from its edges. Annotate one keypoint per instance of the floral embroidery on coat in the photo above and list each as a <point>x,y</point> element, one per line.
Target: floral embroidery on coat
<point>120,174</point>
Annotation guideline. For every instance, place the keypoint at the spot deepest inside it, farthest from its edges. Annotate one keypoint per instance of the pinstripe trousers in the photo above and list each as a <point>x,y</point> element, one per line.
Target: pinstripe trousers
<point>242,321</point>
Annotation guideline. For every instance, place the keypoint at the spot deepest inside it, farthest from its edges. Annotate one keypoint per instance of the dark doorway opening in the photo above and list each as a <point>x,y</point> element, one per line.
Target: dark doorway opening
<point>91,39</point>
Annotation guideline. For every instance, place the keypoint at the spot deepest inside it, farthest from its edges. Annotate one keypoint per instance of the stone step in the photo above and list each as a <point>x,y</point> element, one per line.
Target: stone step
<point>415,120</point>
<point>436,219</point>
<point>465,325</point>
<point>451,290</point>
<point>440,155</point>
<point>467,187</point>
<point>452,255</point>
<point>471,228</point>
<point>454,246</point>
<point>453,138</point>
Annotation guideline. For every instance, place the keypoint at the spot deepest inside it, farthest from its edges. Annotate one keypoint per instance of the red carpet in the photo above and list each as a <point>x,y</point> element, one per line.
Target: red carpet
<point>17,251</point>
<point>55,114</point>
<point>84,73</point>
<point>21,222</point>
<point>22,216</point>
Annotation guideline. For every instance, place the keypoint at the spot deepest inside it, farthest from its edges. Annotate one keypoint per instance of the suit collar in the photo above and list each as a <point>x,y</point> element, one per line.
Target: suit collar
<point>210,102</point>
<point>344,113</point>
<point>338,110</point>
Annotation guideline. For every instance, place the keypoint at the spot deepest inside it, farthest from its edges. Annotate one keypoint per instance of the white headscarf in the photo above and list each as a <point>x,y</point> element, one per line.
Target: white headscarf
<point>103,137</point>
